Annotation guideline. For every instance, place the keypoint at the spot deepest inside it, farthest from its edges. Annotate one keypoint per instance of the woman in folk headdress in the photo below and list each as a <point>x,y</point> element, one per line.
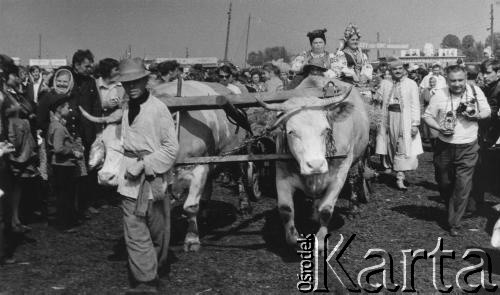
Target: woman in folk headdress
<point>317,54</point>
<point>351,64</point>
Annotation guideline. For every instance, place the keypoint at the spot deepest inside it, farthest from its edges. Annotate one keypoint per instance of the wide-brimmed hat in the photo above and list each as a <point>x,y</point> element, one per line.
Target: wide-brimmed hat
<point>132,69</point>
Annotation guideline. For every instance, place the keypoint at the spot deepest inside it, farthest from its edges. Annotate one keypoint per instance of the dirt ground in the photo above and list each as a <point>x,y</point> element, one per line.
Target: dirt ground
<point>247,255</point>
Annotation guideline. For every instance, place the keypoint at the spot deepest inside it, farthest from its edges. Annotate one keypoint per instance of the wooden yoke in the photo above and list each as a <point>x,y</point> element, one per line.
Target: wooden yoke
<point>245,100</point>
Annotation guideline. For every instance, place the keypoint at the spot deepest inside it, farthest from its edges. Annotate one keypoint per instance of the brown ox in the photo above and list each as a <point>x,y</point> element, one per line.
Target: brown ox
<point>201,133</point>
<point>308,123</point>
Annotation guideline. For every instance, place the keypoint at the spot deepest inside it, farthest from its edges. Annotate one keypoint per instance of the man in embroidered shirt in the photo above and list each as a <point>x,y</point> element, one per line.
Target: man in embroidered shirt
<point>456,149</point>
<point>398,138</point>
<point>150,146</point>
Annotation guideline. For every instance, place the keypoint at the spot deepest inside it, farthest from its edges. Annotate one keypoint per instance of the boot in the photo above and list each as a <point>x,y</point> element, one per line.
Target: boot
<point>400,178</point>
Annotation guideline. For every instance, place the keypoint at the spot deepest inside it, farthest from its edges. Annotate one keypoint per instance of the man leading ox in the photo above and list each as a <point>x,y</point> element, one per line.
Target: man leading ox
<point>150,148</point>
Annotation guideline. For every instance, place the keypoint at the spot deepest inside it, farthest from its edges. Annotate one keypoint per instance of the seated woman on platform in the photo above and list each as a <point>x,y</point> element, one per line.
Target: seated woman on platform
<point>317,54</point>
<point>351,64</point>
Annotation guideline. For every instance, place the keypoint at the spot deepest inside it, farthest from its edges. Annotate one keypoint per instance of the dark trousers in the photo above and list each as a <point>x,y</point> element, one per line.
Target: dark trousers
<point>3,203</point>
<point>88,192</point>
<point>455,164</point>
<point>482,178</point>
<point>2,228</point>
<point>65,191</point>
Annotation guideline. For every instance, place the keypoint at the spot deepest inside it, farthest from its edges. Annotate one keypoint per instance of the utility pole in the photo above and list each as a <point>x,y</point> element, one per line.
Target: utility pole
<point>246,45</point>
<point>378,41</point>
<point>491,31</point>
<point>228,29</point>
<point>129,53</point>
<point>187,52</point>
<point>39,46</point>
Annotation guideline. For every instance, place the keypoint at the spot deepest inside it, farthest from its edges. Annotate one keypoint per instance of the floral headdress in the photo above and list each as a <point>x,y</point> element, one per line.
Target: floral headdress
<point>350,31</point>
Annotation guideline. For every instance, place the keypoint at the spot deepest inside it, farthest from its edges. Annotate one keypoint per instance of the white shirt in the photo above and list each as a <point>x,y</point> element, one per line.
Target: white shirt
<point>465,130</point>
<point>36,88</point>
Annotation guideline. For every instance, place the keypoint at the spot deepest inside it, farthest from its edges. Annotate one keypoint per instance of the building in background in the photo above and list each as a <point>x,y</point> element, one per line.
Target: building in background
<point>429,56</point>
<point>48,63</point>
<point>186,63</point>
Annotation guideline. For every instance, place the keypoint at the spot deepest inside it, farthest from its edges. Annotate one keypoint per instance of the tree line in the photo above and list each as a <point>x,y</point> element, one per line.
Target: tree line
<point>471,49</point>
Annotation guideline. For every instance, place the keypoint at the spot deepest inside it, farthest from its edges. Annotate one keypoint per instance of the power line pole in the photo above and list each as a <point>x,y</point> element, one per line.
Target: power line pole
<point>491,31</point>
<point>246,45</point>
<point>187,52</point>
<point>39,46</point>
<point>228,29</point>
<point>378,41</point>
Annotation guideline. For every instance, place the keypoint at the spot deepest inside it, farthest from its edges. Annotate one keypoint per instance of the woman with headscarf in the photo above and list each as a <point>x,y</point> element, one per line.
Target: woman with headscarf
<point>60,88</point>
<point>317,54</point>
<point>351,64</point>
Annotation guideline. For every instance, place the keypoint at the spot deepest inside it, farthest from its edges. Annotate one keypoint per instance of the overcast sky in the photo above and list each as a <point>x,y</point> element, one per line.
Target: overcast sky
<point>164,28</point>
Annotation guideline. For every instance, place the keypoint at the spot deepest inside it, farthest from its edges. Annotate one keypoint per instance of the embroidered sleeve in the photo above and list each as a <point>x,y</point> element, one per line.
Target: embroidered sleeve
<point>340,67</point>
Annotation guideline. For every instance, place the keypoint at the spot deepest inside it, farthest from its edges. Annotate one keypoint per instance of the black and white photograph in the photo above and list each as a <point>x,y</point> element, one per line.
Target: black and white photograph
<point>249,146</point>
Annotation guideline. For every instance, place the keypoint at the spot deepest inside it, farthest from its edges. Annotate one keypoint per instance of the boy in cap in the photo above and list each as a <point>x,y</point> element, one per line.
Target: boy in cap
<point>64,153</point>
<point>150,148</point>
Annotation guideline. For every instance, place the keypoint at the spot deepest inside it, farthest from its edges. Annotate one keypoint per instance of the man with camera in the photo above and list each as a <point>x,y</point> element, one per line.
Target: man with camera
<point>454,111</point>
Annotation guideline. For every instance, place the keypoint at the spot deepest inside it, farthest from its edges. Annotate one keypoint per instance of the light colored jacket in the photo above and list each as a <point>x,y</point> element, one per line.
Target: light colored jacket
<point>410,111</point>
<point>152,132</point>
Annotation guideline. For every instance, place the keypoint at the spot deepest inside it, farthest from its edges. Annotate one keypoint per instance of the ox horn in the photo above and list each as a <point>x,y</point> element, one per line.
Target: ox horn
<point>114,117</point>
<point>284,118</point>
<point>334,100</point>
<point>271,107</point>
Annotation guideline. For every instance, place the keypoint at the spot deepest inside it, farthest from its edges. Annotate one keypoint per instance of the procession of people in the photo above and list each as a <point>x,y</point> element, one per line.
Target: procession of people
<point>46,142</point>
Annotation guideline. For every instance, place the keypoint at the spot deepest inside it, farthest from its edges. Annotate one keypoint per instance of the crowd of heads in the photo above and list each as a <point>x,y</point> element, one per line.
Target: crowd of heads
<point>224,74</point>
<point>478,73</point>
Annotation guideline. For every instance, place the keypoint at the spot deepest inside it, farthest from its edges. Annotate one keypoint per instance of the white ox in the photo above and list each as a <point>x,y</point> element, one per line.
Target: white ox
<point>308,122</point>
<point>201,133</point>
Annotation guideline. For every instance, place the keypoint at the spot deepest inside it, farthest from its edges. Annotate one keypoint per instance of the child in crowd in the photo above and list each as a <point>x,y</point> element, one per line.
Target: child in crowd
<point>65,153</point>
